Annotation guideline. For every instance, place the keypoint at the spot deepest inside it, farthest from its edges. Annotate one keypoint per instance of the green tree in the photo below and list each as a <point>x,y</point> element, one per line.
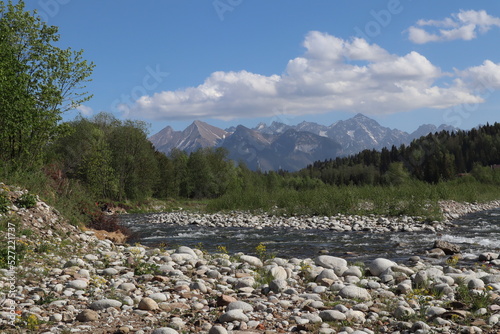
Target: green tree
<point>180,176</point>
<point>396,174</point>
<point>96,169</point>
<point>134,160</point>
<point>38,82</point>
<point>165,187</point>
<point>201,180</point>
<point>85,155</point>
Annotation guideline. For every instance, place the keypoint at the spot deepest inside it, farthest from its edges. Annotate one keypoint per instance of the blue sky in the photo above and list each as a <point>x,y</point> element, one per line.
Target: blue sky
<point>227,62</point>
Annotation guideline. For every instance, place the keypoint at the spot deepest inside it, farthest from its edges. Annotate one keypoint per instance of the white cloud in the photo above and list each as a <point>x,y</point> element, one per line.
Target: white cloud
<point>463,25</point>
<point>332,74</point>
<point>85,110</point>
<point>485,77</point>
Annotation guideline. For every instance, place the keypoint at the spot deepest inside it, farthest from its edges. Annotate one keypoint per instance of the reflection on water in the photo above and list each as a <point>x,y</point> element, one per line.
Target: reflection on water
<point>475,233</point>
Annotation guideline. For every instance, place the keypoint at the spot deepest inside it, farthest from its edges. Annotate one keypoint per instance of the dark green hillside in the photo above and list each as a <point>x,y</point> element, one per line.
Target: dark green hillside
<point>437,157</point>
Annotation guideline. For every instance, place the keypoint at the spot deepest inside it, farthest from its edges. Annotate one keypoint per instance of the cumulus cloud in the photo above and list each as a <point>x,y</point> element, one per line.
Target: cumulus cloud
<point>332,74</point>
<point>85,110</point>
<point>463,25</point>
<point>485,77</point>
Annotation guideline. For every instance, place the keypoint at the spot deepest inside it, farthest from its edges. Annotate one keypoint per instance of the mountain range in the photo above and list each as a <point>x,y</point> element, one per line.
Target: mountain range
<point>289,147</point>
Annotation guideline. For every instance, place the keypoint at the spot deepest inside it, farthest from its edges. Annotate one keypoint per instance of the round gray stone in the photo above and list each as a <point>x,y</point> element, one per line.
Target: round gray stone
<point>127,287</point>
<point>165,330</point>
<point>475,284</point>
<point>158,297</point>
<point>217,330</point>
<point>77,284</point>
<point>104,304</point>
<point>110,271</point>
<point>379,265</point>
<point>278,285</point>
<point>354,292</point>
<point>331,262</point>
<point>239,305</point>
<point>233,315</point>
<point>332,315</point>
<point>252,260</point>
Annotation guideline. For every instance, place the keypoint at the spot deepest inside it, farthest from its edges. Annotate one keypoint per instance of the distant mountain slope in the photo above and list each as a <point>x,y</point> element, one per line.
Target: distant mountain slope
<point>289,147</point>
<point>290,150</point>
<point>360,132</point>
<point>197,135</point>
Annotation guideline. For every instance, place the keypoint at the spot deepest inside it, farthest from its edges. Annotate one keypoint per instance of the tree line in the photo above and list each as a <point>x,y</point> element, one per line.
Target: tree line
<point>440,156</point>
<point>111,159</point>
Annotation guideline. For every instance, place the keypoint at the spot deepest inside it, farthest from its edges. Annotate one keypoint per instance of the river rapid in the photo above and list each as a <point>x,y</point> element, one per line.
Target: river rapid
<point>474,233</point>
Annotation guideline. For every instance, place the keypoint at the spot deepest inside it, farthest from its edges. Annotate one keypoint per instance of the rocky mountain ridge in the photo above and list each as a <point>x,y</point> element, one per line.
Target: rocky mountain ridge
<point>289,147</point>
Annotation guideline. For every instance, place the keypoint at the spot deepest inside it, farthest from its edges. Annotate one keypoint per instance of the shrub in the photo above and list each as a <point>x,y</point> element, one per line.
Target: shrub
<point>26,201</point>
<point>4,203</point>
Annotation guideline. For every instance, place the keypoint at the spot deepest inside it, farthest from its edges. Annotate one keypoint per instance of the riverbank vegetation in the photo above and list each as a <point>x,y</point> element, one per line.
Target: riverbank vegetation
<point>106,162</point>
<point>88,165</point>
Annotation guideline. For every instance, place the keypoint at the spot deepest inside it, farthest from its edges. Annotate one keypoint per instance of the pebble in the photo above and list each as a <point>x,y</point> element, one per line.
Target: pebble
<point>165,330</point>
<point>332,315</point>
<point>239,305</point>
<point>148,304</point>
<point>217,330</point>
<point>87,315</point>
<point>104,304</point>
<point>77,284</point>
<point>354,292</point>
<point>233,315</point>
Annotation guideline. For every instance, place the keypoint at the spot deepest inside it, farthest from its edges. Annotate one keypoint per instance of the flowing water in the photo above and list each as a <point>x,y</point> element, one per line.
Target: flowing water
<point>476,233</point>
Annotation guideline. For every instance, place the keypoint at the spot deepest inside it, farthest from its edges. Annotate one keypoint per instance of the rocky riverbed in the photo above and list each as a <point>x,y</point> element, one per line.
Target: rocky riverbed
<point>339,223</point>
<point>70,281</point>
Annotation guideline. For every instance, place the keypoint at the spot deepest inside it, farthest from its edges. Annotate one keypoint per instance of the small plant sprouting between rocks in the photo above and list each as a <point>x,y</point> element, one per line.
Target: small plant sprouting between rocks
<point>262,277</point>
<point>473,299</point>
<point>262,253</point>
<point>201,247</point>
<point>26,201</point>
<point>222,249</point>
<point>145,268</point>
<point>452,261</point>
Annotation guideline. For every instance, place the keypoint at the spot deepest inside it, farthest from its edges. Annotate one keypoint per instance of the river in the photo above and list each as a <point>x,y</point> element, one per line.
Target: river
<point>475,233</point>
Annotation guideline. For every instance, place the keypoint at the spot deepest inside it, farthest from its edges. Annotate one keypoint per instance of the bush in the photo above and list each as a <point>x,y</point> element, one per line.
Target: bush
<point>4,203</point>
<point>26,201</point>
<point>101,221</point>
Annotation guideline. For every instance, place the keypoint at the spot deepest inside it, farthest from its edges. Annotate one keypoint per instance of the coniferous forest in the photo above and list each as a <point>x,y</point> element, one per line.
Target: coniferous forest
<point>436,157</point>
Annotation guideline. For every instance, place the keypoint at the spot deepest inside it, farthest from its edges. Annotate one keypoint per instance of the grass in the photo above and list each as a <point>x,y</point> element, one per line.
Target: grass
<point>414,198</point>
<point>4,203</point>
<point>163,205</point>
<point>474,300</point>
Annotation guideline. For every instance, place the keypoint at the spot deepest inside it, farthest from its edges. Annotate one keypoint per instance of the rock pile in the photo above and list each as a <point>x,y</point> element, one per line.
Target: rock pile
<point>337,223</point>
<point>72,282</point>
<point>113,288</point>
<point>454,210</point>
